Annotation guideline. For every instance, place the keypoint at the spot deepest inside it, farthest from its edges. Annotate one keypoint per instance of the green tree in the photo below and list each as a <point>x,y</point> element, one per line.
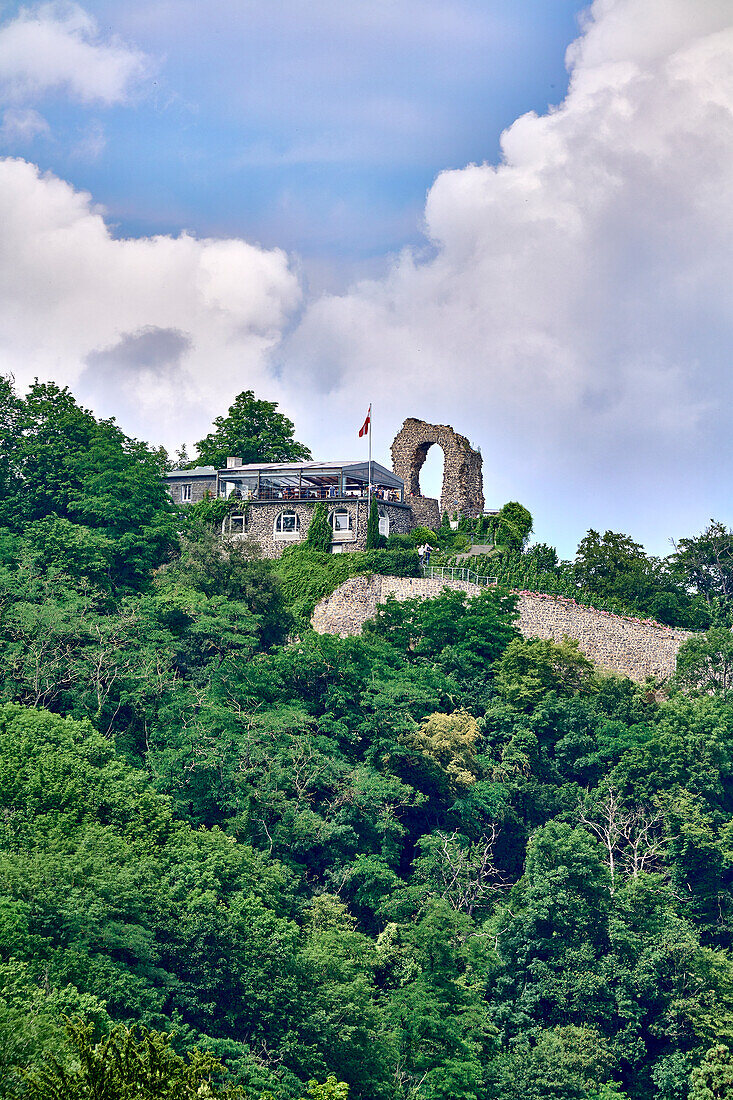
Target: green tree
<point>706,563</point>
<point>254,431</point>
<point>612,564</point>
<point>461,636</point>
<point>713,1078</point>
<point>344,1026</point>
<point>540,558</point>
<point>436,972</point>
<point>532,667</point>
<point>320,535</point>
<point>564,1063</point>
<point>513,526</point>
<point>128,1063</point>
<point>705,663</point>
<point>59,462</point>
<point>372,535</point>
<point>230,570</point>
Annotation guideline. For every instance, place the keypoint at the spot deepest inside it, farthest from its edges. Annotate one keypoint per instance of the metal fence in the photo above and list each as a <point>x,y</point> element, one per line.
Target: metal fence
<point>455,573</point>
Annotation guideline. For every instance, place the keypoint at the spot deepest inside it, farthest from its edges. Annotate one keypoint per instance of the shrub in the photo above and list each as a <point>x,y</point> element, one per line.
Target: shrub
<point>307,576</point>
<point>319,533</point>
<point>420,535</point>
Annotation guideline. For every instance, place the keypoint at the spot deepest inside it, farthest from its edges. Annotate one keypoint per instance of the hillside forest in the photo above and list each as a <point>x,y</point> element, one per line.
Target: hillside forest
<point>434,862</point>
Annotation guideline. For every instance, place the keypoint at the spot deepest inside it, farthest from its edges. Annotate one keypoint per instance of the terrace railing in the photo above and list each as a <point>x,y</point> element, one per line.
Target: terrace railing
<point>456,573</point>
<point>295,494</point>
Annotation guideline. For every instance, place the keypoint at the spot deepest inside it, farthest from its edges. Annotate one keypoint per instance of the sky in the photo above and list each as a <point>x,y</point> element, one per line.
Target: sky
<point>513,218</point>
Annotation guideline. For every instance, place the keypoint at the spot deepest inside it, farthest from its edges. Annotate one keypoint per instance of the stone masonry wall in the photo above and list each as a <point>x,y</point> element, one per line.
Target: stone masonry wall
<point>201,487</point>
<point>425,512</point>
<point>631,647</point>
<point>260,520</point>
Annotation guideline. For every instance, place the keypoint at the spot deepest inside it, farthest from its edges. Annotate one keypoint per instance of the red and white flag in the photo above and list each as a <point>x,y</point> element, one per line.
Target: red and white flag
<point>365,426</point>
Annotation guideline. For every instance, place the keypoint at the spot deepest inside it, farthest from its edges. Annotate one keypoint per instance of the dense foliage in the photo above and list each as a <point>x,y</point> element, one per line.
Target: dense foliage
<point>253,431</point>
<point>435,862</point>
<point>690,588</point>
<point>80,493</point>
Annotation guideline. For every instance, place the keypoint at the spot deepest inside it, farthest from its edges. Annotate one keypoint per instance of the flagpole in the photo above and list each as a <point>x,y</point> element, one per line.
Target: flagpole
<point>370,456</point>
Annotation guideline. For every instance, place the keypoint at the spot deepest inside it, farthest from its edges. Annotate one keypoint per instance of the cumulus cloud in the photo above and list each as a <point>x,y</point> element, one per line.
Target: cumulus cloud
<point>571,311</point>
<point>57,47</point>
<point>163,330</point>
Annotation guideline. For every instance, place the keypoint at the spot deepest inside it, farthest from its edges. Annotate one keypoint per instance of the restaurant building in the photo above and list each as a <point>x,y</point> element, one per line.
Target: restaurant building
<point>273,502</point>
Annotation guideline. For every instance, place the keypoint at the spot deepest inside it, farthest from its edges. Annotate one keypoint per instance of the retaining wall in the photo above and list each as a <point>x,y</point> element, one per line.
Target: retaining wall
<point>636,648</point>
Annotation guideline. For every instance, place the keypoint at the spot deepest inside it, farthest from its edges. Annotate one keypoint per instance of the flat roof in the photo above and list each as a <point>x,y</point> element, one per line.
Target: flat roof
<point>358,468</point>
<point>197,471</point>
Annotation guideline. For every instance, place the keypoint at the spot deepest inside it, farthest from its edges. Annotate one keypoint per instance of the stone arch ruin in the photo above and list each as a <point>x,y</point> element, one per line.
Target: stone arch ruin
<point>462,489</point>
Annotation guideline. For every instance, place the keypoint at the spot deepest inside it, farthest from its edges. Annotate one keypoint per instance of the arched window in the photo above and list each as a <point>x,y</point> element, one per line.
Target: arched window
<point>287,526</point>
<point>341,520</point>
<point>383,522</point>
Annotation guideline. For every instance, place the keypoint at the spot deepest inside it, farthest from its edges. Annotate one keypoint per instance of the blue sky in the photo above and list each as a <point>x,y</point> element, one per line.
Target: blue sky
<point>317,128</point>
<point>511,217</point>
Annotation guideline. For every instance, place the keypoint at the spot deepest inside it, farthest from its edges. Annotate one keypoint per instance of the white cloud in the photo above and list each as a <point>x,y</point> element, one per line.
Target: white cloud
<point>57,47</point>
<point>20,125</point>
<point>187,322</point>
<point>573,312</point>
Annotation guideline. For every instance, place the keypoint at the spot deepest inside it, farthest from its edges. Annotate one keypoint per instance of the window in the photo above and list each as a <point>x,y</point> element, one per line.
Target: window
<point>186,494</point>
<point>341,521</point>
<point>234,525</point>
<point>383,523</point>
<point>287,525</point>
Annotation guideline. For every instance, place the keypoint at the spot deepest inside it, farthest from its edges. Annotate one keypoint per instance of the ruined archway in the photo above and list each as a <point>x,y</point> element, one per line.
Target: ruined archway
<point>462,489</point>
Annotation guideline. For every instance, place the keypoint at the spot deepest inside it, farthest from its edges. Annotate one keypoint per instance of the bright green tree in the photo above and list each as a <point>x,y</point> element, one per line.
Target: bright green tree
<point>448,741</point>
<point>320,535</point>
<point>713,1078</point>
<point>331,1089</point>
<point>531,667</point>
<point>254,431</point>
<point>128,1063</point>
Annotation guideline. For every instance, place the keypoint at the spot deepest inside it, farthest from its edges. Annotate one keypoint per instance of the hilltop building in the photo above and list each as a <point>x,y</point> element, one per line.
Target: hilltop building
<point>278,498</point>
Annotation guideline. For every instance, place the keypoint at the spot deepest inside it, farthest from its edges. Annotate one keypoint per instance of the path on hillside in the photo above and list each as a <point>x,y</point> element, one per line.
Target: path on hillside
<point>631,647</point>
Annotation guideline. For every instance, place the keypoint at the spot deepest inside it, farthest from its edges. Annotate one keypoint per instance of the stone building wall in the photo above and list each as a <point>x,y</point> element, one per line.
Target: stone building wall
<point>260,517</point>
<point>462,489</point>
<point>425,512</point>
<point>616,643</point>
<point>202,486</point>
